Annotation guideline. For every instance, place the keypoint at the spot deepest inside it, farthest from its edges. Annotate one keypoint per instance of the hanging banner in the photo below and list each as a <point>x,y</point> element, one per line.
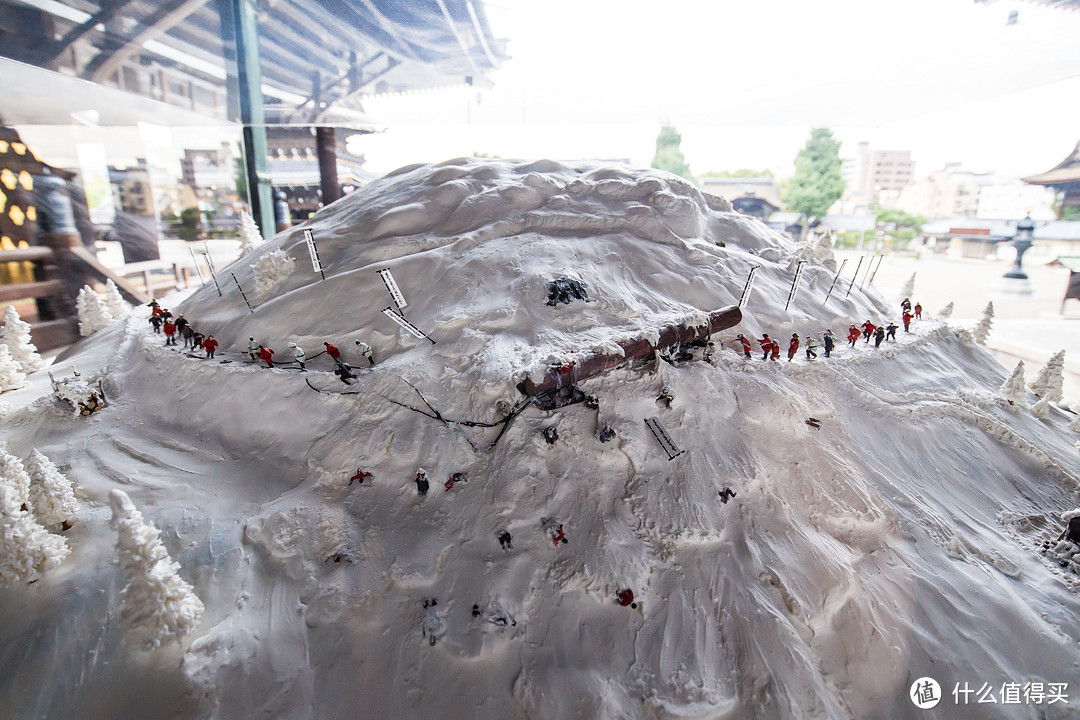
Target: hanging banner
<point>316,264</point>
<point>746,289</point>
<point>389,312</point>
<point>794,284</point>
<point>392,287</point>
<point>834,281</point>
<point>662,437</point>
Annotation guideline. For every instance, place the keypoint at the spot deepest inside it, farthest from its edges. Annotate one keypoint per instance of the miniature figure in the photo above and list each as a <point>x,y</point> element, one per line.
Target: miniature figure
<point>707,353</point>
<point>745,345</point>
<point>918,311</point>
<point>253,349</point>
<point>267,356</point>
<point>332,351</point>
<point>187,332</point>
<point>155,321</point>
<point>811,347</point>
<point>298,353</point>
<point>359,477</point>
<point>505,540</point>
<point>830,342</point>
<point>344,372</point>
<point>626,598</point>
<point>455,478</point>
<point>907,318</point>
<point>421,481</point>
<point>365,351</point>
<point>868,329</point>
<point>793,346</point>
<point>879,335</point>
<point>209,345</point>
<point>890,331</point>
<point>170,331</point>
<point>853,335</point>
<point>606,433</point>
<point>551,434</point>
<point>197,340</point>
<point>726,494</point>
<point>766,343</point>
<point>905,305</point>
<point>554,528</point>
<point>666,397</point>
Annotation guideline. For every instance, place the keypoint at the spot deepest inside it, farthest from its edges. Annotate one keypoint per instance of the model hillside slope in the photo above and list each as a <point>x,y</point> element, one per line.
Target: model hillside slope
<point>421,540</point>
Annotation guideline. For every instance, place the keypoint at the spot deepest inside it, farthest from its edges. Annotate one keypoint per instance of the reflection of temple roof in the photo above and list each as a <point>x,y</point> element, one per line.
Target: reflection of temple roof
<point>1067,171</point>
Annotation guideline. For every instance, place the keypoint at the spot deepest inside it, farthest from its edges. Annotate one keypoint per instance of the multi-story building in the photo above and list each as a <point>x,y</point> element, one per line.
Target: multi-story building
<point>875,174</point>
<point>953,192</point>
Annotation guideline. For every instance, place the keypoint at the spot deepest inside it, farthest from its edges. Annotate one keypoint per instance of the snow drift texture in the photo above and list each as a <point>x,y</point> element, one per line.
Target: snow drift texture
<point>900,540</point>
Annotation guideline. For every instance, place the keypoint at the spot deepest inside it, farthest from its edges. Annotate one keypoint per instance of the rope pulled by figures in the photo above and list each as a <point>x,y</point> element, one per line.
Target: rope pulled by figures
<point>456,425</point>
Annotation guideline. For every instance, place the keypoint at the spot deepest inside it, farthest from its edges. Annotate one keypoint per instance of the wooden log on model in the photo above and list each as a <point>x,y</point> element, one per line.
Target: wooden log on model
<point>563,378</point>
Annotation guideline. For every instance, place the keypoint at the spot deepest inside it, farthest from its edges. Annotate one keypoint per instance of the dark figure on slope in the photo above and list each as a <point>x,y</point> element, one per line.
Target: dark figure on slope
<point>890,331</point>
<point>726,494</point>
<point>506,542</point>
<point>1071,531</point>
<point>626,598</point>
<point>830,342</point>
<point>421,481</point>
<point>155,321</point>
<point>879,335</point>
<point>344,372</point>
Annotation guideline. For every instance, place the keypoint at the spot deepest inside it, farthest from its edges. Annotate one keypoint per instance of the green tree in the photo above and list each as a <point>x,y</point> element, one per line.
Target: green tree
<point>817,182</point>
<point>740,173</point>
<point>668,154</point>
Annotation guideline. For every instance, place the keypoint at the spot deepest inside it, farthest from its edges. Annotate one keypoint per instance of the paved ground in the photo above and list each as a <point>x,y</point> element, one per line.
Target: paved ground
<point>1029,328</point>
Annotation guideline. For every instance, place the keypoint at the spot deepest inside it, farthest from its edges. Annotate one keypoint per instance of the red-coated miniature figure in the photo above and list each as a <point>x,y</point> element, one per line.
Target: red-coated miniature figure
<point>626,598</point>
<point>170,332</point>
<point>853,335</point>
<point>907,317</point>
<point>210,345</point>
<point>793,346</point>
<point>332,351</point>
<point>266,355</point>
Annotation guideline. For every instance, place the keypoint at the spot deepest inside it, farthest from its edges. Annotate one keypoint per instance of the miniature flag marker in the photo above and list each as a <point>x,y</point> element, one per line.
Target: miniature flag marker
<point>198,269</point>
<point>316,263</point>
<point>749,283</point>
<point>210,265</point>
<point>389,312</point>
<point>828,294</point>
<point>392,287</point>
<point>881,259</point>
<point>662,437</point>
<point>854,276</point>
<point>794,284</point>
<point>242,293</point>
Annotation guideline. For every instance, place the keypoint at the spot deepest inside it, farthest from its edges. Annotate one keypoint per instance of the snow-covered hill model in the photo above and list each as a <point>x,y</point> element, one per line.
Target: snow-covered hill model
<point>901,539</point>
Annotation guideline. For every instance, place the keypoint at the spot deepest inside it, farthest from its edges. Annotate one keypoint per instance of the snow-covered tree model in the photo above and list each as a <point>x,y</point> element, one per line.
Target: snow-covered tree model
<point>271,270</point>
<point>51,494</point>
<point>982,330</point>
<point>93,315</point>
<point>1041,408</point>
<point>26,548</point>
<point>909,287</point>
<point>1048,383</point>
<point>16,335</point>
<point>250,237</point>
<point>11,375</point>
<point>158,605</point>
<point>1013,388</point>
<point>946,311</point>
<point>114,302</point>
<point>13,473</point>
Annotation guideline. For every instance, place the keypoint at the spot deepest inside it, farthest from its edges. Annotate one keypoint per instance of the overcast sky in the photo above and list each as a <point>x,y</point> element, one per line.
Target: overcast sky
<point>744,82</point>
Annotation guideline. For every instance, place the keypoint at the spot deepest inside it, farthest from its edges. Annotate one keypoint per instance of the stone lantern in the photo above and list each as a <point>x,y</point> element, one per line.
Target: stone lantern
<point>1022,240</point>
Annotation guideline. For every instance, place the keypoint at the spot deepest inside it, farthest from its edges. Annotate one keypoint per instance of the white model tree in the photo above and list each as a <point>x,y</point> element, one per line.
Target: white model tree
<point>93,315</point>
<point>16,335</point>
<point>27,550</point>
<point>982,330</point>
<point>271,270</point>
<point>13,473</point>
<point>946,311</point>
<point>909,287</point>
<point>158,605</point>
<point>11,375</point>
<point>250,237</point>
<point>1048,383</point>
<point>1013,389</point>
<point>1041,408</point>
<point>114,302</point>
<point>51,494</point>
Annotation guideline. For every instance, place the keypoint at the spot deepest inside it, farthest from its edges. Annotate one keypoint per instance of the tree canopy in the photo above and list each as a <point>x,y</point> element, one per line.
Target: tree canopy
<point>817,182</point>
<point>669,155</point>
